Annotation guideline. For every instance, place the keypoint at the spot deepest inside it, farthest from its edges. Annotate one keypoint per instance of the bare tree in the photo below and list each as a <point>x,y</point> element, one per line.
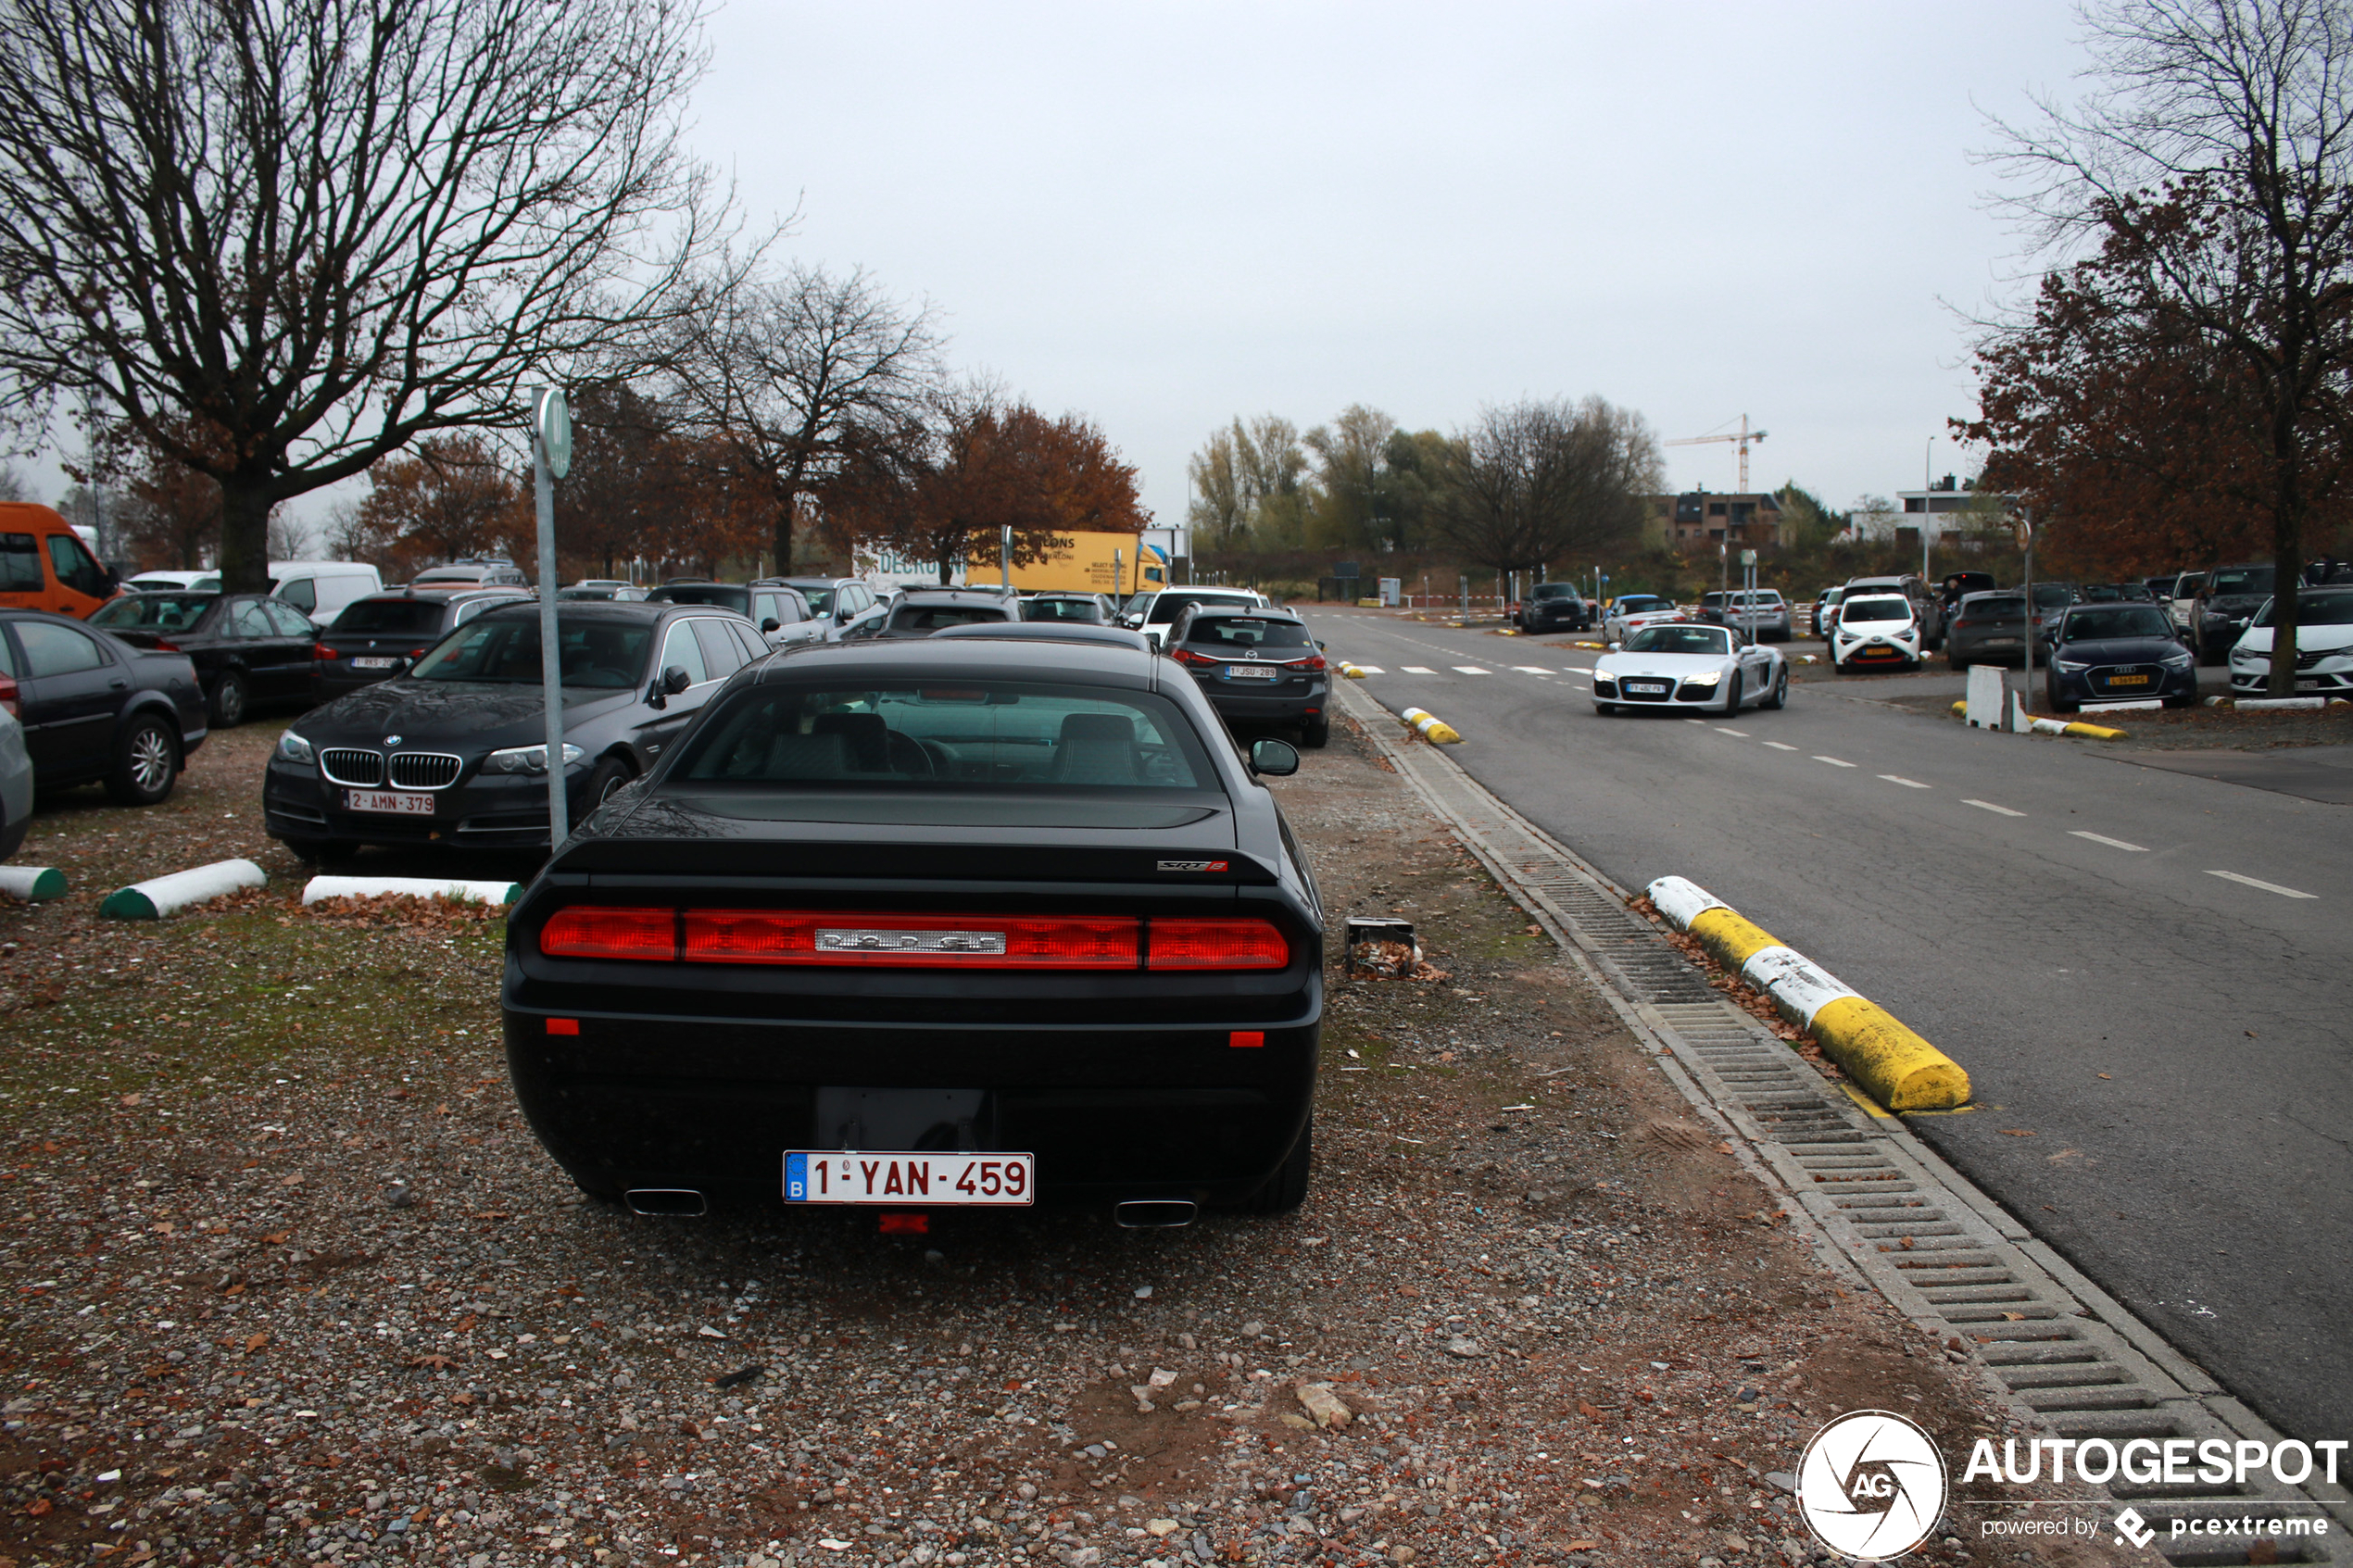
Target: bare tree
<point>2212,167</point>
<point>1535,482</point>
<point>781,375</point>
<point>12,484</point>
<point>321,228</point>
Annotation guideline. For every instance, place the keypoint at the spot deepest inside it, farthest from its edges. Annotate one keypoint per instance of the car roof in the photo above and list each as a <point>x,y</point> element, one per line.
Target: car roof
<point>1212,610</point>
<point>988,595</point>
<point>1092,661</point>
<point>607,609</point>
<point>1047,631</point>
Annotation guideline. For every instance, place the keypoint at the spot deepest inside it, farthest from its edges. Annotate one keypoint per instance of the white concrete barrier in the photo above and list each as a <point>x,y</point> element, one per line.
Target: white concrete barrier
<point>469,891</point>
<point>32,884</point>
<point>1985,710</point>
<point>163,896</point>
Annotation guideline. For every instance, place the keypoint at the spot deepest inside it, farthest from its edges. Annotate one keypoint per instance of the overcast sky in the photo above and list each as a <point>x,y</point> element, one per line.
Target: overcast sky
<point>1163,215</point>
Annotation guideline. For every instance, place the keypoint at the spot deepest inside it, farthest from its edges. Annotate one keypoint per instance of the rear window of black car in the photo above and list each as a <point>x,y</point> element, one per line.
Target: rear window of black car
<point>954,733</point>
<point>1245,632</point>
<point>720,596</point>
<point>1554,591</point>
<point>153,612</point>
<point>1086,611</point>
<point>400,617</point>
<point>2242,580</point>
<point>931,617</point>
<point>2117,621</point>
<point>605,654</point>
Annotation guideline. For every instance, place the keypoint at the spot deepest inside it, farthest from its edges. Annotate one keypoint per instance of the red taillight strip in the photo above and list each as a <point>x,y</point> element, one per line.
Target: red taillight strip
<point>599,931</point>
<point>899,941</point>
<point>1217,944</point>
<point>828,937</point>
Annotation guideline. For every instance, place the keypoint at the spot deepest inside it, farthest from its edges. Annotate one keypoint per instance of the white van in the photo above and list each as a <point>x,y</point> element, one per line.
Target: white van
<point>320,588</point>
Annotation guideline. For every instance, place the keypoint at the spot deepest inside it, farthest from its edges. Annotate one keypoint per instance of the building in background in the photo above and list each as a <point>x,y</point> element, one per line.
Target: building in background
<point>1702,518</point>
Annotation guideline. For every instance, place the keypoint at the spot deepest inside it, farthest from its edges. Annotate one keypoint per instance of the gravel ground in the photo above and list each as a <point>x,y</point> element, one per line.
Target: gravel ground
<point>289,1281</point>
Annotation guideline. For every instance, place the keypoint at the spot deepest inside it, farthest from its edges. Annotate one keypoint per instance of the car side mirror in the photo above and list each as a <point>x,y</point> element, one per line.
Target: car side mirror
<point>676,680</point>
<point>1615,648</point>
<point>1273,758</point>
<point>771,624</point>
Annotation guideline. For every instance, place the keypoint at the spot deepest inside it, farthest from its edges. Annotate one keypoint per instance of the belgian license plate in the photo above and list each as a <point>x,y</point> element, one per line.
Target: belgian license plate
<point>373,663</point>
<point>2128,680</point>
<point>1251,673</point>
<point>898,1180</point>
<point>1650,687</point>
<point>2001,641</point>
<point>387,800</point>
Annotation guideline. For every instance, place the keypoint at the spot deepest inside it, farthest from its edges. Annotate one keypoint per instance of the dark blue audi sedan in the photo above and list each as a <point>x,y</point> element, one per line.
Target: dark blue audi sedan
<point>2116,652</point>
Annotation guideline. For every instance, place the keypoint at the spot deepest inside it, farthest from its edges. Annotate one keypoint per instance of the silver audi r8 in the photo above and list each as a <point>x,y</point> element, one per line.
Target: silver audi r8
<point>1690,666</point>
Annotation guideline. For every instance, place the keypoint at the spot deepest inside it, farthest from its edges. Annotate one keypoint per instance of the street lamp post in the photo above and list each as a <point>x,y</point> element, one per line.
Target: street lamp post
<point>550,460</point>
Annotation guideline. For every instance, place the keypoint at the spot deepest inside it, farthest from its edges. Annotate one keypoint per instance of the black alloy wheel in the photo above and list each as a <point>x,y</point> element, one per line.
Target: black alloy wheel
<point>228,700</point>
<point>1315,734</point>
<point>610,777</point>
<point>146,763</point>
<point>1779,697</point>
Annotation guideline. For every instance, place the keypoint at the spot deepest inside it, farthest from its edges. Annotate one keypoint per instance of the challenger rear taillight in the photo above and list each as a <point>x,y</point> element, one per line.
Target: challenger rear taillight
<point>1217,944</point>
<point>799,936</point>
<point>829,938</point>
<point>165,644</point>
<point>591,931</point>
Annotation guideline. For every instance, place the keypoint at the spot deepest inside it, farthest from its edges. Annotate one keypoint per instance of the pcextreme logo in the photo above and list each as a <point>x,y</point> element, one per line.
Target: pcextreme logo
<point>1872,1485</point>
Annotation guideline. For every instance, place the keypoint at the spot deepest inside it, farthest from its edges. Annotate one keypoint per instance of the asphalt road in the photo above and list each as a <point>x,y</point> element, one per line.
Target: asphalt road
<point>2144,971</point>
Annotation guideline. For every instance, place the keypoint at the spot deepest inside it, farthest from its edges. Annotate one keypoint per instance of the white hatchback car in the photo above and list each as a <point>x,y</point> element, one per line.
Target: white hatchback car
<point>1689,665</point>
<point>1875,632</point>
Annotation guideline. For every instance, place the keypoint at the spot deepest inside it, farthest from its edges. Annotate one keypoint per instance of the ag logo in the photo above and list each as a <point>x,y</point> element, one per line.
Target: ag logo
<point>1872,1485</point>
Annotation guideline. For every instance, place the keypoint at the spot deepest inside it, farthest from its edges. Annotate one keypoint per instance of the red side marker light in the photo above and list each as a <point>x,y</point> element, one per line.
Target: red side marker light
<point>906,1224</point>
<point>1241,1038</point>
<point>563,1026</point>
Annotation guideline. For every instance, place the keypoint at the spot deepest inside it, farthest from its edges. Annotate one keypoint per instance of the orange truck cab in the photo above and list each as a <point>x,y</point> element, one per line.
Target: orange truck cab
<point>44,565</point>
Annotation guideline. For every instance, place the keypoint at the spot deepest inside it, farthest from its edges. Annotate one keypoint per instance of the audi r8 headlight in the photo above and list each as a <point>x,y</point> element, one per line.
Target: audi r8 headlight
<point>292,747</point>
<point>527,758</point>
<point>1707,680</point>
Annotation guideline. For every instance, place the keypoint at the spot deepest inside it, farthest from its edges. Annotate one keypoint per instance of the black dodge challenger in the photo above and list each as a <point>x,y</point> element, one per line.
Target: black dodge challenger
<point>963,920</point>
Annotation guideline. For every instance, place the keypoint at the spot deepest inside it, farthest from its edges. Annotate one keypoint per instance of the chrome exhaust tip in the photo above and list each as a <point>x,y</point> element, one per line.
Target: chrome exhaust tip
<point>674,1202</point>
<point>1154,1213</point>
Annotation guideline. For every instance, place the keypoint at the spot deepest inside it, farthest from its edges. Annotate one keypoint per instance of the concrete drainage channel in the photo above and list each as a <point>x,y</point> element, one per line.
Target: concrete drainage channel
<point>1883,1209</point>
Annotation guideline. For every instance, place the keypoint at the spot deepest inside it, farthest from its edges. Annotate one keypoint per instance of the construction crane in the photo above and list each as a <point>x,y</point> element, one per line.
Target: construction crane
<point>1743,438</point>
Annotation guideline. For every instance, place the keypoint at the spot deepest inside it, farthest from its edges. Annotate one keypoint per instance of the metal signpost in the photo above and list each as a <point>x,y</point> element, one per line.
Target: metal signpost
<point>550,460</point>
<point>2026,696</point>
<point>1748,592</point>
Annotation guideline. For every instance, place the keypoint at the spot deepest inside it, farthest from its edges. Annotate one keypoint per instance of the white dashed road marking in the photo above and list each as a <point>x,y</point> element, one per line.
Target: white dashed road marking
<point>2111,843</point>
<point>1471,670</point>
<point>1372,670</point>
<point>1531,669</point>
<point>1777,745</point>
<point>1722,731</point>
<point>1989,806</point>
<point>1419,669</point>
<point>2266,886</point>
<point>1834,761</point>
<point>1908,783</point>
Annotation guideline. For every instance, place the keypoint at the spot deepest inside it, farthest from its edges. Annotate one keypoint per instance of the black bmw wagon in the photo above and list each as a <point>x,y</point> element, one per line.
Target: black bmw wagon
<point>913,924</point>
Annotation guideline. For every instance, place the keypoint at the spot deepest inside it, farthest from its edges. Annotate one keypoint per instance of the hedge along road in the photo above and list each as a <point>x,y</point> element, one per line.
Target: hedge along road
<point>2142,972</point>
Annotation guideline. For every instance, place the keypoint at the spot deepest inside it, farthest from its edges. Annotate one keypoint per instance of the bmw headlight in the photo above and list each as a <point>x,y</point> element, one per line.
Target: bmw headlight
<point>527,758</point>
<point>2068,667</point>
<point>1707,680</point>
<point>292,747</point>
